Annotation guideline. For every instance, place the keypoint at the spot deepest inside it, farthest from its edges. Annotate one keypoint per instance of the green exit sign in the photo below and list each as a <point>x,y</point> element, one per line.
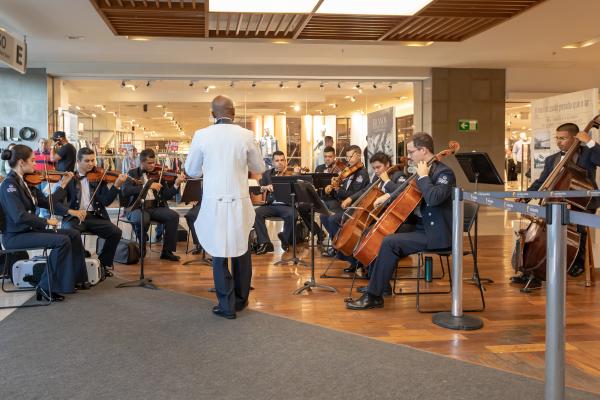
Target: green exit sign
<point>467,125</point>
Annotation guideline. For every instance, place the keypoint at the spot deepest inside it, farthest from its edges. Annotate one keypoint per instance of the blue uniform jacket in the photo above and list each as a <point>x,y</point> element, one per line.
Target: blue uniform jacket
<point>18,209</point>
<point>103,198</point>
<point>397,179</point>
<point>589,159</point>
<point>358,181</point>
<point>131,189</point>
<point>436,204</point>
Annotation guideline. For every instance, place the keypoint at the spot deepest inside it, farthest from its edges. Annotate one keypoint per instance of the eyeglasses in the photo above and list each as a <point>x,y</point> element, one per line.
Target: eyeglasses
<point>410,152</point>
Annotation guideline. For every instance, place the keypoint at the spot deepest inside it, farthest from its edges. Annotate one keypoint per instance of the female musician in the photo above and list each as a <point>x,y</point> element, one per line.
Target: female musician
<point>25,229</point>
<point>433,225</point>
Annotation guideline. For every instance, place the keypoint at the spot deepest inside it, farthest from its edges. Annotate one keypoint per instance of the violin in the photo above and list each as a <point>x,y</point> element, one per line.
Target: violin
<point>337,167</point>
<point>37,177</point>
<point>98,174</point>
<point>347,172</point>
<point>160,174</point>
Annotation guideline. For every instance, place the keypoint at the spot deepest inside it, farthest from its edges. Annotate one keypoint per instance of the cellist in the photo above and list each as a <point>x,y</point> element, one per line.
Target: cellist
<point>430,228</point>
<point>588,157</point>
<point>348,187</point>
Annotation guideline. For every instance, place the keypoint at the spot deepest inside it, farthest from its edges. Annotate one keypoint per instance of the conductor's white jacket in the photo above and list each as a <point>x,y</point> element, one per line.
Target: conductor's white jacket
<point>223,154</point>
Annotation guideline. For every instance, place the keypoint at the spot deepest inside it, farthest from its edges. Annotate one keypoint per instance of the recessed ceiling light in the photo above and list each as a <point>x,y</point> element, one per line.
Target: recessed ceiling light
<point>263,6</point>
<point>372,7</point>
<point>159,106</point>
<point>280,42</point>
<point>138,38</point>
<point>417,44</point>
<point>581,45</point>
<point>74,37</point>
<point>93,115</point>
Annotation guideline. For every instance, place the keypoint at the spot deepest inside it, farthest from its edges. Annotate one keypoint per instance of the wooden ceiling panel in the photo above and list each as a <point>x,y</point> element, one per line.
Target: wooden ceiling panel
<point>441,20</point>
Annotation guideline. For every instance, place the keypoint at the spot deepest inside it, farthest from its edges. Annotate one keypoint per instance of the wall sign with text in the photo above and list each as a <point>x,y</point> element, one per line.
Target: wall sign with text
<point>13,51</point>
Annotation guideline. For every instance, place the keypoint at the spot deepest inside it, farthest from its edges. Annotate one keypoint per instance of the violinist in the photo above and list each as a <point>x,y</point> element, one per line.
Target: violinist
<point>430,228</point>
<point>347,188</point>
<point>274,208</point>
<point>330,166</point>
<point>63,153</point>
<point>87,202</point>
<point>155,207</point>
<point>23,228</point>
<point>588,158</point>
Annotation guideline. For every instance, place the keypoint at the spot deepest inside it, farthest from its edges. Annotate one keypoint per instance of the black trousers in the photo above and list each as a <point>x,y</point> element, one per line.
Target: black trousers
<point>232,288</point>
<point>191,217</point>
<point>282,211</point>
<point>332,223</point>
<point>162,215</point>
<point>102,228</point>
<point>304,213</point>
<point>393,248</point>
<point>66,260</point>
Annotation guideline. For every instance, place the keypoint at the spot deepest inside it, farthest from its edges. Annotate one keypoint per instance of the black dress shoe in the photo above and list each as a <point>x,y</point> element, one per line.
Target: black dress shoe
<point>386,292</point>
<point>83,286</point>
<point>240,307</point>
<point>265,248</point>
<point>217,311</point>
<point>40,295</point>
<point>576,270</point>
<point>57,297</point>
<point>366,302</point>
<point>168,255</point>
<point>107,272</point>
<point>284,244</point>
<point>520,279</point>
<point>350,270</point>
<point>331,252</point>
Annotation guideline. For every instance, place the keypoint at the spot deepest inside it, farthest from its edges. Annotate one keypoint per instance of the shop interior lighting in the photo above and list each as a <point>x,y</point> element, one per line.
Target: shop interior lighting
<point>94,115</point>
<point>583,44</point>
<point>417,44</point>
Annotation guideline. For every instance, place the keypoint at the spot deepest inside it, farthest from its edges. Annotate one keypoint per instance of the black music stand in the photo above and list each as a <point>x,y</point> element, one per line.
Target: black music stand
<point>193,193</point>
<point>139,204</point>
<point>307,195</point>
<point>283,192</point>
<point>479,168</point>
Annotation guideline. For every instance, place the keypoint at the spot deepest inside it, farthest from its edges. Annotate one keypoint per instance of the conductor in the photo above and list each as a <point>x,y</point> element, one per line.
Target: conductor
<point>224,153</point>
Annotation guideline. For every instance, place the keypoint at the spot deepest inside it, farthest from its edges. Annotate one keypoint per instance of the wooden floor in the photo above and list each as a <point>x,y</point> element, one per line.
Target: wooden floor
<point>512,338</point>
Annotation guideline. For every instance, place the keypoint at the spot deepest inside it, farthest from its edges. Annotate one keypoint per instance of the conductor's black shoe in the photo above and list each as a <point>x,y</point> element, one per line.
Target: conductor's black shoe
<point>365,302</point>
<point>168,255</point>
<point>351,269</point>
<point>576,270</point>
<point>264,248</point>
<point>217,311</point>
<point>331,252</point>
<point>387,291</point>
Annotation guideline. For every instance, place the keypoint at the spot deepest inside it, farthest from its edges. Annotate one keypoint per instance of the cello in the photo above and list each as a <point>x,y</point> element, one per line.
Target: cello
<point>529,255</point>
<point>396,213</point>
<point>360,214</point>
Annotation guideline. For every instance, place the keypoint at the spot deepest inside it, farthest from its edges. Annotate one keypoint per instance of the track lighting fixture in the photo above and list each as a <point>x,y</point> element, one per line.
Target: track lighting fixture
<point>253,84</point>
<point>149,83</point>
<point>123,83</point>
<point>191,84</point>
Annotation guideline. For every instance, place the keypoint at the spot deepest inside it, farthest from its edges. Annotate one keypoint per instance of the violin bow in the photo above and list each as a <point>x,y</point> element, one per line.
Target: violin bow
<point>50,201</point>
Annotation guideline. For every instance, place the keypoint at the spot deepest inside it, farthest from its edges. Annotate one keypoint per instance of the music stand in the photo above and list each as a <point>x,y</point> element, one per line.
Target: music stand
<point>139,203</point>
<point>283,192</point>
<point>193,193</point>
<point>479,168</point>
<point>307,195</point>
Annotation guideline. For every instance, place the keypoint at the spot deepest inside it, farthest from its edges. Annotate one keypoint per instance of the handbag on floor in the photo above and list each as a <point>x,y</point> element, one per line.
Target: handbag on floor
<point>128,251</point>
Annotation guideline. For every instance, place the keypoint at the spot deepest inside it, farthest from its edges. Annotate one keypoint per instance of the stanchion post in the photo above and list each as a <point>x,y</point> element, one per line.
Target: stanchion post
<point>556,288</point>
<point>456,319</point>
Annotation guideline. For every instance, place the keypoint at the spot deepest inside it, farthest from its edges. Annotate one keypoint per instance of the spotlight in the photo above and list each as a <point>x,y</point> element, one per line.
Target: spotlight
<point>191,84</point>
<point>253,84</point>
<point>231,84</point>
<point>352,99</point>
<point>299,85</point>
<point>123,84</point>
<point>357,86</point>
<point>281,85</point>
<point>374,86</point>
<point>206,89</point>
<point>321,85</point>
<point>149,83</point>
<point>390,87</point>
<point>339,85</point>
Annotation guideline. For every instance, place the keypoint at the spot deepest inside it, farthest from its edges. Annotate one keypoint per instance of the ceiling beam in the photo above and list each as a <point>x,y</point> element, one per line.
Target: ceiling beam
<point>307,19</point>
<point>206,19</point>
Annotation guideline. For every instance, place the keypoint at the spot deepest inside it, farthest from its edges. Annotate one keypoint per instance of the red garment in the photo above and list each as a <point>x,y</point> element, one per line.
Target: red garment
<point>41,159</point>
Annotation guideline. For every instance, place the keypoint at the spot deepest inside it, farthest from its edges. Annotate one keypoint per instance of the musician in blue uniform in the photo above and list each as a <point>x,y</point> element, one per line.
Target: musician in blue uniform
<point>90,201</point>
<point>432,229</point>
<point>278,209</point>
<point>155,206</point>
<point>588,158</point>
<point>23,228</point>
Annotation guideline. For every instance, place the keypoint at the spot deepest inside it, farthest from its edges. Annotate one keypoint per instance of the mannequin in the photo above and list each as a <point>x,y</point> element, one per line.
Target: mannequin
<point>268,145</point>
<point>518,151</point>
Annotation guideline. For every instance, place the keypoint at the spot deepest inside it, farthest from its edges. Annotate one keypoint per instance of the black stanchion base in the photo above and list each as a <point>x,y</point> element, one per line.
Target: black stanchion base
<point>464,323</point>
<point>293,260</point>
<point>145,283</point>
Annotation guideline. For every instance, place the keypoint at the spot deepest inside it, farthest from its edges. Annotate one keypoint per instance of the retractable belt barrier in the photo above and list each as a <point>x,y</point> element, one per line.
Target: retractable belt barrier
<point>557,217</point>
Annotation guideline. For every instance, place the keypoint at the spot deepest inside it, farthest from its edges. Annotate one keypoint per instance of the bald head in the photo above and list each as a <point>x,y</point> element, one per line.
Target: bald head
<point>222,107</point>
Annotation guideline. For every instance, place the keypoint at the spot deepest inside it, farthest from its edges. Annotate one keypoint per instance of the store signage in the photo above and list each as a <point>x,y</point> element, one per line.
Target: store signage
<point>13,51</point>
<point>9,133</point>
<point>467,125</point>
